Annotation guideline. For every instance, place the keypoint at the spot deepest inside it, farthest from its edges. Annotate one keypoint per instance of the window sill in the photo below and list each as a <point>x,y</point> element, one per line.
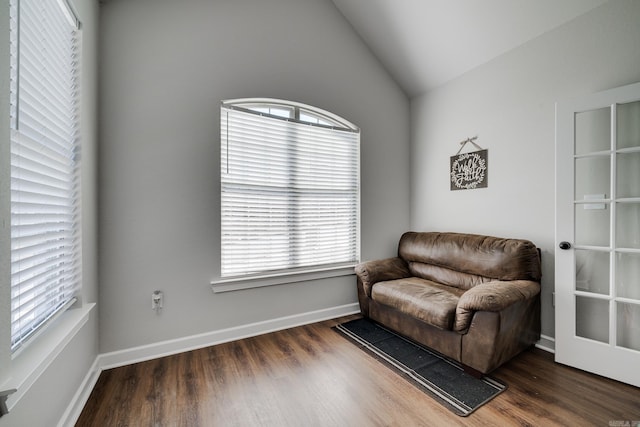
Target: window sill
<point>240,283</point>
<point>35,357</point>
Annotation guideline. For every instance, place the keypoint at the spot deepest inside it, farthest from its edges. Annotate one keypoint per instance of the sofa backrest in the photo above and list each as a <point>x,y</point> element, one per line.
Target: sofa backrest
<point>465,260</point>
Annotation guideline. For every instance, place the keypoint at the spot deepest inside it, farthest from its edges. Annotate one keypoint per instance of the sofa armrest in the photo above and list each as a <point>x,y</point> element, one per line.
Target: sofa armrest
<point>371,272</point>
<point>492,296</point>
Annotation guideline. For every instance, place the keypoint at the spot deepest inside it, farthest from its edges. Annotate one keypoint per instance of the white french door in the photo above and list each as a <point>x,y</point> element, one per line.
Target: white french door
<point>597,262</point>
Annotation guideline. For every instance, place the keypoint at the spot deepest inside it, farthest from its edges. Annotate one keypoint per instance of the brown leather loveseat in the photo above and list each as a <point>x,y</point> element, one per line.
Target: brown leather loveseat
<point>472,298</point>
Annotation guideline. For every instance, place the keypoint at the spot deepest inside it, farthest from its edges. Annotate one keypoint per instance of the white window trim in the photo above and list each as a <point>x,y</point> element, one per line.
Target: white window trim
<point>339,122</point>
<point>35,357</point>
<point>250,282</point>
<point>30,360</point>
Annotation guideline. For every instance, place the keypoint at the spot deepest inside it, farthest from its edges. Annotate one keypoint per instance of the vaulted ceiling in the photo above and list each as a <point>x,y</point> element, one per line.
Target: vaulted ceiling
<point>425,43</point>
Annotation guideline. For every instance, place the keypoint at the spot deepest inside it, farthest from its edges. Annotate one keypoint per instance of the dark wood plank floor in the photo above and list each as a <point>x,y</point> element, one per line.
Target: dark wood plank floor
<point>312,376</point>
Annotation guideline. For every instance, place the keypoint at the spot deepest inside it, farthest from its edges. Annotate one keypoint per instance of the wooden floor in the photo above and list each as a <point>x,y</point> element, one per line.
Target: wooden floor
<point>312,376</point>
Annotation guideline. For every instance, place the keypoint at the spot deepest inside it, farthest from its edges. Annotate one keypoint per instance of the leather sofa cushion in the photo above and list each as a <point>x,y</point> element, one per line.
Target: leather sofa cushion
<point>486,256</point>
<point>446,276</point>
<point>428,301</point>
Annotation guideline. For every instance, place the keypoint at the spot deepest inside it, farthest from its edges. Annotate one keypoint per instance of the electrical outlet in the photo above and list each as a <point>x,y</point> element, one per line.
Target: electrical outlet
<point>157,300</point>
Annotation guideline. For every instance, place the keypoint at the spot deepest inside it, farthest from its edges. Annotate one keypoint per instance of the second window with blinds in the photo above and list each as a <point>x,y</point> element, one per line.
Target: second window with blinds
<point>290,189</point>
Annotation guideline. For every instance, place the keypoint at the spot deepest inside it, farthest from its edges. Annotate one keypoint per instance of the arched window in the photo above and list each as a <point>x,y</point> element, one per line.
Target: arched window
<point>290,188</point>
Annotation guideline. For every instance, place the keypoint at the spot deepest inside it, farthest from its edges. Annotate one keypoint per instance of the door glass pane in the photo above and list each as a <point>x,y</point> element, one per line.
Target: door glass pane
<point>628,125</point>
<point>628,275</point>
<point>628,326</point>
<point>593,131</point>
<point>593,177</point>
<point>592,226</point>
<point>628,179</point>
<point>628,225</point>
<point>592,271</point>
<point>592,318</point>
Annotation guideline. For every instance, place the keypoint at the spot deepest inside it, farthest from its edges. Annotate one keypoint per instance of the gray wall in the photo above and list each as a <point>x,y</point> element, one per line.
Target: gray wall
<point>46,400</point>
<point>165,67</point>
<point>510,104</point>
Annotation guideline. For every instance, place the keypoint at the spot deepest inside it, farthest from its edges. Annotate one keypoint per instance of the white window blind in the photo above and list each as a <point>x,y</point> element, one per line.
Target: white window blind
<point>45,241</point>
<point>290,191</point>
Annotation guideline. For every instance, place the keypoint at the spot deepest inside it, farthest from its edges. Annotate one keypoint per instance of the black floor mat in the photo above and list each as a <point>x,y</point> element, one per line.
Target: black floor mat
<point>436,375</point>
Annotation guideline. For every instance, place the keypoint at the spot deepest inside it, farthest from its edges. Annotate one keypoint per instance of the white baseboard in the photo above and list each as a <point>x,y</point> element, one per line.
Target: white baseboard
<point>73,411</point>
<point>547,343</point>
<point>166,348</point>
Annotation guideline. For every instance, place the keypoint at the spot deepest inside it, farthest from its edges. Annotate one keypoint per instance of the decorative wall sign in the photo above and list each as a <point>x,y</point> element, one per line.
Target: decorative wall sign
<point>469,170</point>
